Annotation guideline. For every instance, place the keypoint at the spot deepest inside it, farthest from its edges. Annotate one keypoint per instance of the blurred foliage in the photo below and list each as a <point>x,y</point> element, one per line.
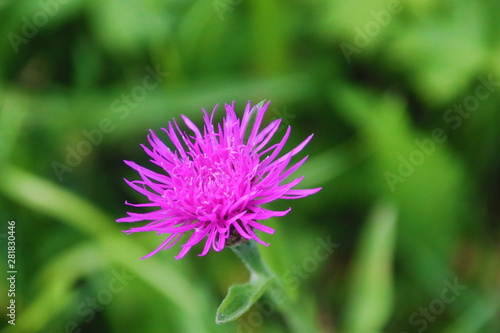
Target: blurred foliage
<point>405,148</point>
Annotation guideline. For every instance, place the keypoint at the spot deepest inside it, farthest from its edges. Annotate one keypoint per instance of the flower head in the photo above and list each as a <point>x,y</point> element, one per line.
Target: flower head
<point>215,181</point>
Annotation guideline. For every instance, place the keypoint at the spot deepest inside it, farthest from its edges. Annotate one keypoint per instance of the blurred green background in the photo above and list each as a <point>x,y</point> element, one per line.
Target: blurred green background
<point>402,96</point>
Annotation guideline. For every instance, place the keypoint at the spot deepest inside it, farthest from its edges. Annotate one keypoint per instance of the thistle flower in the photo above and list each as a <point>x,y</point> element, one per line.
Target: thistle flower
<point>215,182</point>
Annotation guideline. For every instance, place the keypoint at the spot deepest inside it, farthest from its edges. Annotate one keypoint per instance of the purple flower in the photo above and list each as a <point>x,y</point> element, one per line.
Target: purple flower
<point>215,182</point>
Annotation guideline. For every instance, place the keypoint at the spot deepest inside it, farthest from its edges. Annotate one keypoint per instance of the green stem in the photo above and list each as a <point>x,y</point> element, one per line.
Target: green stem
<point>292,311</point>
<point>250,255</point>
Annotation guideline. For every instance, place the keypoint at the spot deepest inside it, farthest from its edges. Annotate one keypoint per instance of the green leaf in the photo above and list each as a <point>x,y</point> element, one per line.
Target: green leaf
<point>371,293</point>
<point>240,298</point>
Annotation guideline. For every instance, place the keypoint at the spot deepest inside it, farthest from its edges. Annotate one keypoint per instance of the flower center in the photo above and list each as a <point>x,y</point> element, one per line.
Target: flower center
<point>213,187</point>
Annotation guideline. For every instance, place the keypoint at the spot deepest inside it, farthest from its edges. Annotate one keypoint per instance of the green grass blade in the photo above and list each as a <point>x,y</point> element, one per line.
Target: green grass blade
<point>370,297</point>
